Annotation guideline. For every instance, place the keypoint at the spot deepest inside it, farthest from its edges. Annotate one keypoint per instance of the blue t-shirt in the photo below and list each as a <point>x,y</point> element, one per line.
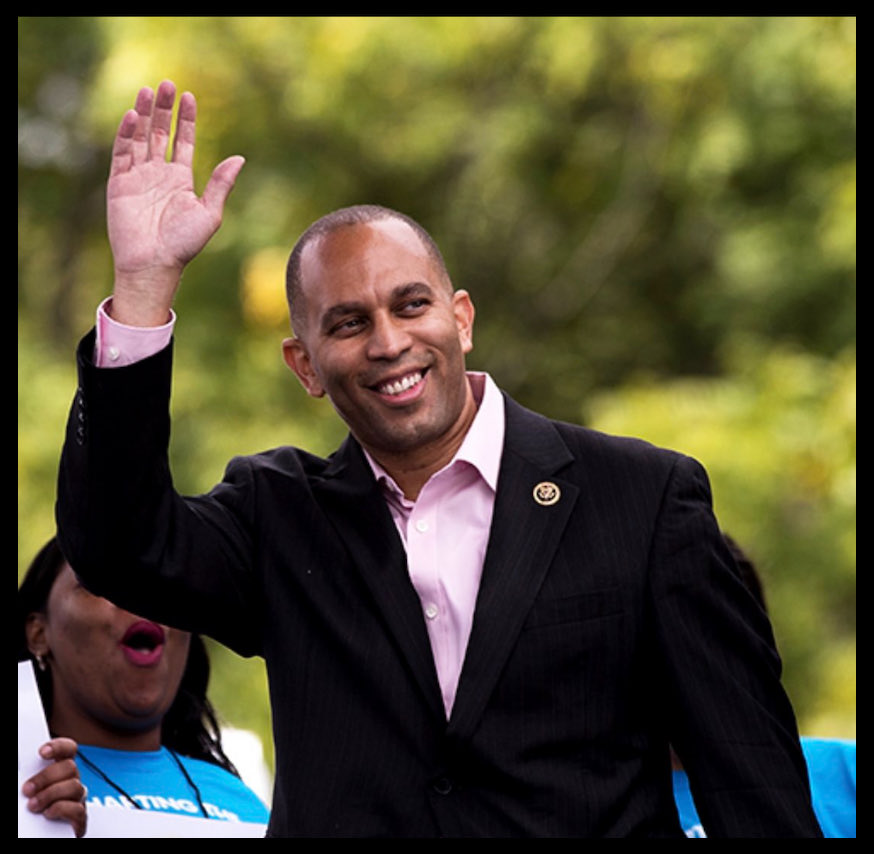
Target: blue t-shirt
<point>831,765</point>
<point>155,782</point>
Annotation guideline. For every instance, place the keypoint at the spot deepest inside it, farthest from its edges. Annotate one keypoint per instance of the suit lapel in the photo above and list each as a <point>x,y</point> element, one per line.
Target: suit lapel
<point>524,537</point>
<point>525,534</point>
<point>350,495</point>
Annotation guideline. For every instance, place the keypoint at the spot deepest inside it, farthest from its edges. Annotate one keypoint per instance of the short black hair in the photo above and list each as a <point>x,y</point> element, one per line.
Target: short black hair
<point>341,218</point>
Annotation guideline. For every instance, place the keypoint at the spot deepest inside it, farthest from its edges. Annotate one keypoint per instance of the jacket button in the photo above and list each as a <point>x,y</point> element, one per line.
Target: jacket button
<point>442,785</point>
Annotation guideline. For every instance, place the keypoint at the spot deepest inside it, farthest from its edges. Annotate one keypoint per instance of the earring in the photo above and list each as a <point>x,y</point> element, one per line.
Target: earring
<point>41,662</point>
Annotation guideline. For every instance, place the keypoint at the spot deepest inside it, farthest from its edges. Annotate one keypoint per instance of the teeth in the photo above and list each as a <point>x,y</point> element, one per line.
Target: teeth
<point>142,644</point>
<point>402,384</point>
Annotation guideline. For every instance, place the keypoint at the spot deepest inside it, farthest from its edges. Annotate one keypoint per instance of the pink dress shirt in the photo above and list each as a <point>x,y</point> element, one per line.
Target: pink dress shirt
<point>445,531</point>
<point>117,345</point>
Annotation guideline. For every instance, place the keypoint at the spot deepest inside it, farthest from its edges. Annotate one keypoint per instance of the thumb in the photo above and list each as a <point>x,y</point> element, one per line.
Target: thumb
<point>221,182</point>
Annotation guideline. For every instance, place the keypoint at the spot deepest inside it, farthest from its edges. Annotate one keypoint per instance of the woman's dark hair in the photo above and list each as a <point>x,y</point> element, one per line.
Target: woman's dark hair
<point>190,726</point>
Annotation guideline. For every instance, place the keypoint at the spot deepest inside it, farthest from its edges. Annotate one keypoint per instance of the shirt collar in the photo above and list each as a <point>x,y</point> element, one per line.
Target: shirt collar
<point>484,443</point>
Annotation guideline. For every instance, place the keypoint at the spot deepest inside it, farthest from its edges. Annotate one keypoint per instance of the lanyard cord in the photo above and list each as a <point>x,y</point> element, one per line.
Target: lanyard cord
<point>121,791</point>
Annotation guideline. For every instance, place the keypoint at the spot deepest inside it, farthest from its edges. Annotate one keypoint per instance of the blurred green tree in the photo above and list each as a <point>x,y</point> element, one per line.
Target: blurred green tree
<point>632,202</point>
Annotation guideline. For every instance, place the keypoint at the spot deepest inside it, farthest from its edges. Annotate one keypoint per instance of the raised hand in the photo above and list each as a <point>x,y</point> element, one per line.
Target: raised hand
<point>56,791</point>
<point>156,221</point>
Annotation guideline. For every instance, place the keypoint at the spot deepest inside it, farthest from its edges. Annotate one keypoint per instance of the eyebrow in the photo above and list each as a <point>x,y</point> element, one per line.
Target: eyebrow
<point>345,309</point>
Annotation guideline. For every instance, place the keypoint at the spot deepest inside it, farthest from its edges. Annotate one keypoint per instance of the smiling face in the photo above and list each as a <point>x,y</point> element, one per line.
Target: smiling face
<point>114,675</point>
<point>384,337</point>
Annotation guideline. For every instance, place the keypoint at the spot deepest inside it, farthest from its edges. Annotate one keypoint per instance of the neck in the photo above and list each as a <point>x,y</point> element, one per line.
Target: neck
<point>411,477</point>
<point>87,731</point>
<point>412,470</point>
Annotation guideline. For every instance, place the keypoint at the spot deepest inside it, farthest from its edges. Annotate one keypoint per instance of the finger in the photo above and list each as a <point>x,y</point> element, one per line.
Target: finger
<point>140,140</point>
<point>59,748</point>
<point>220,184</point>
<point>51,775</point>
<point>66,789</point>
<point>74,812</point>
<point>122,148</point>
<point>162,119</point>
<point>183,142</point>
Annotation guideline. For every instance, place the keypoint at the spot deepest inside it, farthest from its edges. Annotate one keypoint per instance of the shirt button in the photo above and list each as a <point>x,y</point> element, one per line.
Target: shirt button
<point>421,526</point>
<point>113,354</point>
<point>431,611</point>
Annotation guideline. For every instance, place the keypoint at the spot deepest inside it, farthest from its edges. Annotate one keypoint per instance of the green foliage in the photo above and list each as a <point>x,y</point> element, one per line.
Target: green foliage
<point>643,209</point>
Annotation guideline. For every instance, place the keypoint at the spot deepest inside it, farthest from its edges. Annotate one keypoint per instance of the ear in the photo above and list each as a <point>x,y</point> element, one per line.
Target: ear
<point>296,357</point>
<point>462,307</point>
<point>35,632</point>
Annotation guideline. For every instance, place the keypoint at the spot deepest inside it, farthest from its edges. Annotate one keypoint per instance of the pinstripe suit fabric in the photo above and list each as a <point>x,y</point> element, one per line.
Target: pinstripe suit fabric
<point>607,624</point>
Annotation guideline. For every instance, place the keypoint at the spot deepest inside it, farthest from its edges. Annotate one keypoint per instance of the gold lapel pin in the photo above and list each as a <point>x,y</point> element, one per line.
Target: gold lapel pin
<point>546,493</point>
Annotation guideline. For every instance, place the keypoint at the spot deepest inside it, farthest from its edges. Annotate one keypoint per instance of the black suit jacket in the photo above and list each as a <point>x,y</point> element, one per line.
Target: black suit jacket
<point>608,624</point>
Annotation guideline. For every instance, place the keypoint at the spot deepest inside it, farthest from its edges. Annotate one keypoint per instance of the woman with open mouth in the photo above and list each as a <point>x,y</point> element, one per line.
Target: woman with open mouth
<point>132,694</point>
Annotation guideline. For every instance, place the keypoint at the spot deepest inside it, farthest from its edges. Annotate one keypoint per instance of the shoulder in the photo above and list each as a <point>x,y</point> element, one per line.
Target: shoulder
<point>290,461</point>
<point>225,791</point>
<point>597,452</point>
<point>204,770</point>
<point>285,461</point>
<point>830,754</point>
<point>831,765</point>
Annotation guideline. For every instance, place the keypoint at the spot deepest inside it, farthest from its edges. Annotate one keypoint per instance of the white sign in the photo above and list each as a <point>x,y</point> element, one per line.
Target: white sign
<point>114,823</point>
<point>33,732</point>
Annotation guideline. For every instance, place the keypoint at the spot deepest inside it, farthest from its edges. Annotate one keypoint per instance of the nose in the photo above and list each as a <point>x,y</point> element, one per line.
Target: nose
<point>388,338</point>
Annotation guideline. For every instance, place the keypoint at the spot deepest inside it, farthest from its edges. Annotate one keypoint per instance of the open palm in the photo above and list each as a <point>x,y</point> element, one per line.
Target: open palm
<point>156,221</point>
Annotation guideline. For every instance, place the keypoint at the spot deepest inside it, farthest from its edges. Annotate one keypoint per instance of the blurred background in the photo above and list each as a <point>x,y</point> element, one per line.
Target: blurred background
<point>656,218</point>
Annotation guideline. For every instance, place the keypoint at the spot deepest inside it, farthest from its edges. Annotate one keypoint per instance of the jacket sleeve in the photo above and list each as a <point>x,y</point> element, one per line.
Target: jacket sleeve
<point>127,533</point>
<point>731,721</point>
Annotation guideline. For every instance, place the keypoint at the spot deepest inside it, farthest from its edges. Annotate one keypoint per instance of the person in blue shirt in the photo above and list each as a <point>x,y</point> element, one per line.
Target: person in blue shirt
<point>831,762</point>
<point>132,694</point>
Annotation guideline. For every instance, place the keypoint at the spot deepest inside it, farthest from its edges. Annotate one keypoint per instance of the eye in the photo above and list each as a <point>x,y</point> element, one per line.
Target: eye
<point>346,327</point>
<point>414,306</point>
